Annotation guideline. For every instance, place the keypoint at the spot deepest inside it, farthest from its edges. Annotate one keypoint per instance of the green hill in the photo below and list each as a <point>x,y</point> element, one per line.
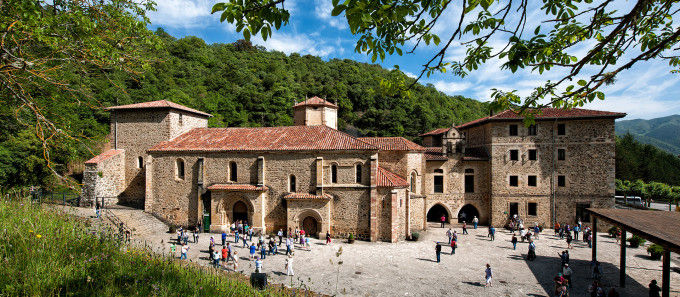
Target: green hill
<point>663,133</point>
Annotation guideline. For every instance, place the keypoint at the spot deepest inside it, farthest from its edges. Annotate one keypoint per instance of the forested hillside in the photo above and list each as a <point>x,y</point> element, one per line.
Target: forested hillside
<point>636,160</point>
<point>663,132</point>
<point>241,85</point>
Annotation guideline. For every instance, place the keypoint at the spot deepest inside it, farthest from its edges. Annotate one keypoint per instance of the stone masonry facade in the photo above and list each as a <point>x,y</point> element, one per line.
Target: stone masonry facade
<point>313,177</point>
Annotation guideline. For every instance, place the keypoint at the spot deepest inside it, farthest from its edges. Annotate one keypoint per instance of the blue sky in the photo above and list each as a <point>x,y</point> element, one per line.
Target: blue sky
<point>646,91</point>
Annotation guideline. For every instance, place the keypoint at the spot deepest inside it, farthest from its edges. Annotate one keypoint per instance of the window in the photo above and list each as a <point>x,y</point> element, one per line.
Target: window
<point>439,181</point>
<point>533,155</point>
<point>334,173</point>
<point>514,155</point>
<point>514,181</point>
<point>514,209</point>
<point>513,130</point>
<point>413,182</point>
<point>532,130</point>
<point>233,171</point>
<point>531,181</point>
<point>582,213</point>
<point>180,119</point>
<point>358,173</point>
<point>561,181</point>
<point>561,154</point>
<point>199,165</point>
<point>179,169</point>
<point>469,183</point>
<point>532,209</point>
<point>292,184</point>
<point>140,162</point>
<point>561,129</point>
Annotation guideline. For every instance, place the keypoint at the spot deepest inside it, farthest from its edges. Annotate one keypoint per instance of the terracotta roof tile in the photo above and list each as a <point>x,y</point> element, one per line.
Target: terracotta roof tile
<point>436,132</point>
<point>307,196</point>
<point>159,104</point>
<point>315,101</point>
<point>238,187</point>
<point>435,154</point>
<point>103,156</point>
<point>393,143</point>
<point>287,138</point>
<point>547,114</point>
<point>386,178</point>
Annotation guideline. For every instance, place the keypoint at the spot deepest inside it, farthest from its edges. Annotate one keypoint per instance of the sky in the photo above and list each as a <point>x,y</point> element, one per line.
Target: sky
<point>647,90</point>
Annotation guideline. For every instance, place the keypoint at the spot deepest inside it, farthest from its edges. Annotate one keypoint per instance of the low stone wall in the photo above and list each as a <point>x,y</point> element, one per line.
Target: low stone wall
<point>104,180</point>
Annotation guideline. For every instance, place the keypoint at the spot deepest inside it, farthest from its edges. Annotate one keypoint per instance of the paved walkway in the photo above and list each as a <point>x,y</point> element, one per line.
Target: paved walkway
<point>410,269</point>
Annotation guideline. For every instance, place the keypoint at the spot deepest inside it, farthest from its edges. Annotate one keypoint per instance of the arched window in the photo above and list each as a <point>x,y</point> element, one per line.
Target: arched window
<point>292,187</point>
<point>140,162</point>
<point>413,182</point>
<point>233,171</point>
<point>179,169</point>
<point>358,173</point>
<point>334,173</point>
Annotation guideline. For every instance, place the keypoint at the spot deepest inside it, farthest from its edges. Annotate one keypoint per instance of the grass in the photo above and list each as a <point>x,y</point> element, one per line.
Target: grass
<point>45,253</point>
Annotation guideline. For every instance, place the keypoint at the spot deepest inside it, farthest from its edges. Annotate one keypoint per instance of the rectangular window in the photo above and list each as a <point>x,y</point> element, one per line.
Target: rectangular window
<point>532,209</point>
<point>531,181</point>
<point>561,129</point>
<point>561,154</point>
<point>532,130</point>
<point>439,184</point>
<point>513,130</point>
<point>561,181</point>
<point>469,184</point>
<point>582,213</point>
<point>180,119</point>
<point>533,155</point>
<point>514,155</point>
<point>514,209</point>
<point>514,181</point>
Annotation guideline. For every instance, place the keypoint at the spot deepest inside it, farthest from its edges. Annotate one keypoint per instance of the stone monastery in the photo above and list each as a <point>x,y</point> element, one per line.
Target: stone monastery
<point>315,177</point>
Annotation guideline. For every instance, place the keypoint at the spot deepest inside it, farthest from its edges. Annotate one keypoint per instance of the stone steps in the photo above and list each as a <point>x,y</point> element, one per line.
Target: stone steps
<point>140,222</point>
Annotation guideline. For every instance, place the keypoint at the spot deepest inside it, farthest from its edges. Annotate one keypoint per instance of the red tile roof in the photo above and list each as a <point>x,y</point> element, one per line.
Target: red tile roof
<point>547,114</point>
<point>287,138</point>
<point>315,101</point>
<point>307,196</point>
<point>393,143</point>
<point>386,178</point>
<point>238,187</point>
<point>436,132</point>
<point>435,154</point>
<point>159,104</point>
<point>103,156</point>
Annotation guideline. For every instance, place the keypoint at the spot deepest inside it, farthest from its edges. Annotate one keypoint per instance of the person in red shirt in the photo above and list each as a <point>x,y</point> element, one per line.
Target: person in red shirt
<point>225,255</point>
<point>443,220</point>
<point>453,246</point>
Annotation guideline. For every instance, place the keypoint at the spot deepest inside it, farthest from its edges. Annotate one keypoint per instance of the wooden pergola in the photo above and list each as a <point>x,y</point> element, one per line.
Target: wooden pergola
<point>659,227</point>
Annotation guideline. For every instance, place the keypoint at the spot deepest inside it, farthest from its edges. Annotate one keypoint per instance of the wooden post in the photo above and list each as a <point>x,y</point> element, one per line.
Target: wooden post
<point>594,249</point>
<point>622,270</point>
<point>666,274</point>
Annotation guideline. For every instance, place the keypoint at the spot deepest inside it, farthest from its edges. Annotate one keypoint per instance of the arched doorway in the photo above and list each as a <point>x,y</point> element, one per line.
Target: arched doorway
<point>435,213</point>
<point>240,212</point>
<point>467,213</point>
<point>311,226</point>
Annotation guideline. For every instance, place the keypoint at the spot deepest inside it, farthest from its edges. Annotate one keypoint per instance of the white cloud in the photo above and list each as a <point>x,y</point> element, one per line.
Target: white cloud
<point>451,87</point>
<point>182,13</point>
<point>323,9</point>
<point>295,43</point>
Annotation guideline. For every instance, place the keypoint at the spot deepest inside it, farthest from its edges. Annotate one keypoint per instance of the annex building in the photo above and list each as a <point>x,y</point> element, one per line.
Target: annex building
<point>311,175</point>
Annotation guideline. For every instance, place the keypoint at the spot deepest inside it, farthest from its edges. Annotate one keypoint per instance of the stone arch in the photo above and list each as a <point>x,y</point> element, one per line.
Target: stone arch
<point>237,205</point>
<point>413,181</point>
<point>467,213</point>
<point>334,173</point>
<point>358,172</point>
<point>307,217</point>
<point>435,212</point>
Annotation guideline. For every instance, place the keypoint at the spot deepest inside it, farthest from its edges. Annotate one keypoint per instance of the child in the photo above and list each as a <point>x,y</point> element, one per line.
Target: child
<point>258,265</point>
<point>253,248</point>
<point>235,260</point>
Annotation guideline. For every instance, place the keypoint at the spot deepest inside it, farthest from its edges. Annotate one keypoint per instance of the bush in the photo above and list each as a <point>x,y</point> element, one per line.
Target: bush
<point>415,236</point>
<point>172,229</point>
<point>613,231</point>
<point>655,251</point>
<point>636,241</point>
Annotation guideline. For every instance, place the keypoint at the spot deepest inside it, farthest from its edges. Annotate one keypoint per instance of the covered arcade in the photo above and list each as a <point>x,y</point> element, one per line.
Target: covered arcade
<point>659,227</point>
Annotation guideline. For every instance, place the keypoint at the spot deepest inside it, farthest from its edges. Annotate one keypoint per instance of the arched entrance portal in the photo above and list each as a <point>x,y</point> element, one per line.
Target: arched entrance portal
<point>240,212</point>
<point>311,226</point>
<point>435,213</point>
<point>467,213</point>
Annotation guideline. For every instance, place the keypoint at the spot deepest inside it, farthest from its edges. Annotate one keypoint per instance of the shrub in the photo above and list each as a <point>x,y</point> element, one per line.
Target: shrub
<point>350,238</point>
<point>612,231</point>
<point>655,251</point>
<point>172,229</point>
<point>415,236</point>
<point>636,241</point>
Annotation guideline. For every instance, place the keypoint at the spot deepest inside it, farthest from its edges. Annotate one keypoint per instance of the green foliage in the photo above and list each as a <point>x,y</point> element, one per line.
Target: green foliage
<point>415,236</point>
<point>613,231</point>
<point>660,132</point>
<point>47,253</point>
<point>636,241</point>
<point>655,251</point>
<point>645,162</point>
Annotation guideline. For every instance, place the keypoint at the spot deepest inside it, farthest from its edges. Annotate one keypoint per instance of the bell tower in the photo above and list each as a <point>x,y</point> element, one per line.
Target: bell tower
<point>315,112</point>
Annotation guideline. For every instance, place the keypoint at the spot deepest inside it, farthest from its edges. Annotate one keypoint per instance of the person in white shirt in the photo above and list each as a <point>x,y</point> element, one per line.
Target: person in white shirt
<point>289,265</point>
<point>184,251</point>
<point>258,265</point>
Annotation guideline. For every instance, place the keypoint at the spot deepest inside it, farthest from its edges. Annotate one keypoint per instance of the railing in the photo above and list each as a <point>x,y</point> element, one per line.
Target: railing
<point>124,232</point>
<point>59,198</point>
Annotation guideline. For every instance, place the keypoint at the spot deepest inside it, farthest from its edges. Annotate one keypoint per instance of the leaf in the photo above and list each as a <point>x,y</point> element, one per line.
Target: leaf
<point>582,82</point>
<point>246,34</point>
<point>337,10</point>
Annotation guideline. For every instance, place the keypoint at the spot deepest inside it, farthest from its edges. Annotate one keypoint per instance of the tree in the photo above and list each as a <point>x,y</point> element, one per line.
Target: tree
<point>48,48</point>
<point>615,36</point>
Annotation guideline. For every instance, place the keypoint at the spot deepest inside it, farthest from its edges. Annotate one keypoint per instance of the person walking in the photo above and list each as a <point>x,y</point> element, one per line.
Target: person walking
<point>488,276</point>
<point>328,238</point>
<point>225,255</point>
<point>280,235</point>
<point>235,257</point>
<point>184,251</point>
<point>236,232</point>
<point>250,234</point>
<point>172,249</point>
<point>536,231</point>
<point>567,272</point>
<point>569,239</point>
<point>216,258</point>
<point>258,265</point>
<point>654,289</point>
<point>263,251</point>
<point>577,229</point>
<point>443,220</point>
<point>224,237</point>
<point>449,235</point>
<point>438,250</point>
<point>492,230</point>
<point>289,265</point>
<point>531,255</point>
<point>253,248</point>
<point>289,243</point>
<point>465,228</point>
<point>453,246</point>
<point>475,222</point>
<point>514,241</point>
<point>243,239</point>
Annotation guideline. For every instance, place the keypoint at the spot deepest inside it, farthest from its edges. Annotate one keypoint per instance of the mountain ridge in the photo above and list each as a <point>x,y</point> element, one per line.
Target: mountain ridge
<point>663,132</point>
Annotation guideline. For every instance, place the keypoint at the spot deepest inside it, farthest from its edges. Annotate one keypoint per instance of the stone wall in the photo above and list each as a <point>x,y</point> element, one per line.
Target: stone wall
<point>299,209</point>
<point>105,179</point>
<point>417,213</point>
